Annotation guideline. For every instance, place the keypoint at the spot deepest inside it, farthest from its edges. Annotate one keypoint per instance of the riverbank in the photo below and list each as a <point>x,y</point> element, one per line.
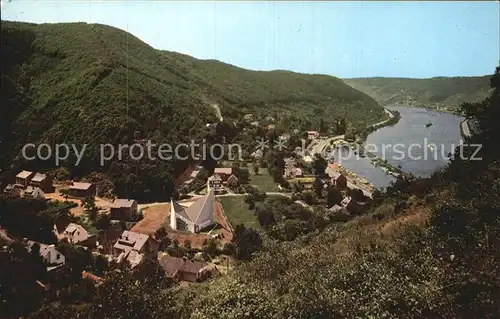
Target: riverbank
<point>393,119</point>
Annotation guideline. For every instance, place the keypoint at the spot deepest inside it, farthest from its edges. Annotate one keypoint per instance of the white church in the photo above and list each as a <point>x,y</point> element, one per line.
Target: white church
<point>193,215</point>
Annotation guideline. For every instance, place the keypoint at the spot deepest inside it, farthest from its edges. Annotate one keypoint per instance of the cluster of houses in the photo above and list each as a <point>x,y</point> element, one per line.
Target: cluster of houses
<point>221,178</point>
<point>337,179</point>
<point>348,204</point>
<point>134,247</point>
<point>36,185</point>
<point>131,247</point>
<point>30,184</point>
<point>292,170</point>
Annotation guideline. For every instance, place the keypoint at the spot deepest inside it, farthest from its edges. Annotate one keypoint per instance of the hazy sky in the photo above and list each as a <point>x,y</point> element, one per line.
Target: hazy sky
<point>345,39</point>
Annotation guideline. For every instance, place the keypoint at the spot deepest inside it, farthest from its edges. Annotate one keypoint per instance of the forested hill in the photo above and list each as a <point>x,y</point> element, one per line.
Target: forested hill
<point>90,83</point>
<point>445,93</point>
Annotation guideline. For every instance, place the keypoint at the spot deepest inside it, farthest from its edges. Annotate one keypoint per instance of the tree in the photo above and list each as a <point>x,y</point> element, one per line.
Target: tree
<point>247,241</point>
<point>350,133</point>
<point>333,197</point>
<point>19,272</point>
<point>162,236</point>
<point>121,297</point>
<point>319,165</point>
<point>241,173</point>
<point>356,194</point>
<point>65,193</point>
<point>100,265</point>
<point>255,168</point>
<point>90,208</point>
<point>210,246</point>
<point>322,126</point>
<point>309,197</point>
<point>187,244</point>
<point>265,216</point>
<point>318,187</point>
<point>103,222</point>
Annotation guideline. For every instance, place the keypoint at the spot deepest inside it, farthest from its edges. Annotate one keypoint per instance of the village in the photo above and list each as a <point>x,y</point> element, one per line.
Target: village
<point>191,237</point>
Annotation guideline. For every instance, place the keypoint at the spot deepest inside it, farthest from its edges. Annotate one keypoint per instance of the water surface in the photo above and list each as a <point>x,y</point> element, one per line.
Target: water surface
<point>412,138</point>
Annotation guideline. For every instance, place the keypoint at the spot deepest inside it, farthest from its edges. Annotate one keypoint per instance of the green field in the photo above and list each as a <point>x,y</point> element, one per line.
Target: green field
<point>238,213</point>
<point>263,181</point>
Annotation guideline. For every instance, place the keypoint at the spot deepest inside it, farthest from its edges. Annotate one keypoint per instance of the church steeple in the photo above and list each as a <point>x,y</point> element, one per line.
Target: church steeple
<point>173,217</point>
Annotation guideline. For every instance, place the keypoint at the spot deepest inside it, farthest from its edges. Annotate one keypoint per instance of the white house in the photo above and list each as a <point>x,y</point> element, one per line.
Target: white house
<point>33,192</point>
<point>75,233</point>
<point>194,215</point>
<point>51,256</point>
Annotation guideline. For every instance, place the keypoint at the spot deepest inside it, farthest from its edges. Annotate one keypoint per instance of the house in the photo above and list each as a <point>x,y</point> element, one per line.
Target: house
<point>24,178</point>
<point>311,135</point>
<point>271,127</point>
<point>13,190</point>
<point>223,172</point>
<point>337,209</point>
<point>352,205</point>
<point>215,182</point>
<point>193,216</point>
<point>193,175</point>
<point>135,247</point>
<point>339,180</point>
<point>184,269</point>
<point>33,192</point>
<point>76,234</point>
<point>284,137</point>
<point>82,190</point>
<point>307,159</point>
<point>258,154</point>
<point>255,123</point>
<point>43,181</point>
<point>293,172</point>
<point>123,209</point>
<point>232,181</point>
<point>50,255</point>
<point>248,117</point>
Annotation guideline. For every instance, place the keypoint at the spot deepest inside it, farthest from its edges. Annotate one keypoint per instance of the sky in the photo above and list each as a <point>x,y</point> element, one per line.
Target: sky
<point>344,39</point>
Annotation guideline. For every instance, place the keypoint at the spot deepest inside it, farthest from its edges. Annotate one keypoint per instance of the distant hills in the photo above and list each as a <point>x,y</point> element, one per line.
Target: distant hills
<point>445,93</point>
<point>91,84</point>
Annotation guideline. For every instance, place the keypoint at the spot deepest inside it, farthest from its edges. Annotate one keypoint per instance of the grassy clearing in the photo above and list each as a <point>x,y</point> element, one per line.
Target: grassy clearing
<point>238,213</point>
<point>263,181</point>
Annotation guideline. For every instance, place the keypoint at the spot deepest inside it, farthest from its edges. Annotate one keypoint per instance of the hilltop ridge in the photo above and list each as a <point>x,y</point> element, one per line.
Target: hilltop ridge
<point>443,93</point>
<point>93,84</point>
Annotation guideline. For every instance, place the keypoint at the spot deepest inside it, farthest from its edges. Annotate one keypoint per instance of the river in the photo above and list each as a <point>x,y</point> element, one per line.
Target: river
<point>406,145</point>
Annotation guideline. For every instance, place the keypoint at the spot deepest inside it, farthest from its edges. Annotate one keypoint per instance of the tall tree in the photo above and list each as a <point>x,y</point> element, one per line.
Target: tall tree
<point>318,187</point>
<point>333,197</point>
<point>247,241</point>
<point>319,165</point>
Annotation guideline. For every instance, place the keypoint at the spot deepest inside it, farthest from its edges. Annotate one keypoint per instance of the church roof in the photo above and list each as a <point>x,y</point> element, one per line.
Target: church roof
<point>195,211</point>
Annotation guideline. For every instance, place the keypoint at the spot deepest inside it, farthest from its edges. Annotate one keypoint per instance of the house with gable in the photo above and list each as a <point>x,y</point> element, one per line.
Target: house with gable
<point>43,181</point>
<point>33,192</point>
<point>76,234</point>
<point>123,209</point>
<point>135,248</point>
<point>24,178</point>
<point>184,269</point>
<point>50,255</point>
